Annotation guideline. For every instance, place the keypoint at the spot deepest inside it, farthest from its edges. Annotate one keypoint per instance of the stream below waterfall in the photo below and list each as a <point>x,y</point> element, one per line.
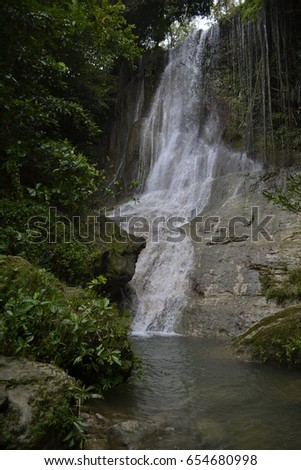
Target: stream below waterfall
<point>207,399</point>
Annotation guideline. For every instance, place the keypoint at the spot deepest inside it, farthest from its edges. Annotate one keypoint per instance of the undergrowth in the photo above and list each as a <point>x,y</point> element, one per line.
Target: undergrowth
<point>75,329</point>
<point>284,289</point>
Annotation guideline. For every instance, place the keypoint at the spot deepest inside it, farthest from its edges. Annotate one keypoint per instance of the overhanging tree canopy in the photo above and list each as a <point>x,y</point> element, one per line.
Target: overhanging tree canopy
<point>152,18</point>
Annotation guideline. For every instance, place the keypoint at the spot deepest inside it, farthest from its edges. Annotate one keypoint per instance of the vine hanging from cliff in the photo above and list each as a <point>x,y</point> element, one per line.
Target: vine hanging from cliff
<point>258,80</point>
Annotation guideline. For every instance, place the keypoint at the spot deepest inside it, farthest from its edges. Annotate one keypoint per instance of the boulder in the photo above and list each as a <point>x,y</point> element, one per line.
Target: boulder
<point>34,401</point>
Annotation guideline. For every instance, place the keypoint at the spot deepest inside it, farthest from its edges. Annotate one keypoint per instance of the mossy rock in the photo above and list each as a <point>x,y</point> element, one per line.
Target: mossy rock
<point>37,402</point>
<point>274,339</point>
<point>119,258</point>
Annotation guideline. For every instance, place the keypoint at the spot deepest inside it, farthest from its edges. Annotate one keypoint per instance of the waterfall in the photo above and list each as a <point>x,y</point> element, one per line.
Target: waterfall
<point>180,154</point>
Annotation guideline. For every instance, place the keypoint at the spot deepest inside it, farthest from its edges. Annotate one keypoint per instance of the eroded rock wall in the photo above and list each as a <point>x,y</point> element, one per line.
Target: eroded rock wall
<point>226,293</point>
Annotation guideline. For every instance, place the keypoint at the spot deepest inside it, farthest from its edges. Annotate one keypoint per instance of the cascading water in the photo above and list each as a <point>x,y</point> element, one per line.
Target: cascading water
<point>181,153</point>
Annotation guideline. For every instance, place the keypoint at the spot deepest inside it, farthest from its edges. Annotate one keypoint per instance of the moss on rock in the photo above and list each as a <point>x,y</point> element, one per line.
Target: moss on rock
<point>119,258</point>
<point>38,405</point>
<point>274,339</point>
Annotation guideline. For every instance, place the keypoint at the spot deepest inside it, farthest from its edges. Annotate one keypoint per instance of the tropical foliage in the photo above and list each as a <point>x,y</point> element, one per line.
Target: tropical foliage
<point>43,320</point>
<point>56,84</point>
<point>58,78</point>
<point>288,197</point>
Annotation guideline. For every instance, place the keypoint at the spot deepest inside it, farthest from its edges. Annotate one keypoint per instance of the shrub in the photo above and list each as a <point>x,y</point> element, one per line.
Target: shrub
<point>73,261</point>
<point>288,288</point>
<point>74,329</point>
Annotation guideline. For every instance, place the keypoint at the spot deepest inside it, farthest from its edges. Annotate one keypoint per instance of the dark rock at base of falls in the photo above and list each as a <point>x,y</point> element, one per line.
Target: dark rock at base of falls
<point>119,257</point>
<point>31,395</point>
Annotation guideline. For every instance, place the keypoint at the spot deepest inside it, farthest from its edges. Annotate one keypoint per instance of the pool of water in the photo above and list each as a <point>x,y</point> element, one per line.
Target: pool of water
<point>208,399</point>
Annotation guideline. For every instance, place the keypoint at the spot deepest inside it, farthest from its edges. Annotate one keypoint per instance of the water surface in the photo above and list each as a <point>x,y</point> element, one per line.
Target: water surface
<point>207,399</point>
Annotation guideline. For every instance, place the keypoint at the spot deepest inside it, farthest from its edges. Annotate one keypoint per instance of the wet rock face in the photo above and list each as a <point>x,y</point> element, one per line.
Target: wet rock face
<point>31,395</point>
<point>120,254</point>
<point>245,234</point>
<point>119,264</point>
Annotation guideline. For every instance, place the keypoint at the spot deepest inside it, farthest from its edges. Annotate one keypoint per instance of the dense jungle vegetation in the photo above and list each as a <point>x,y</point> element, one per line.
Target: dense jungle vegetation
<point>57,84</point>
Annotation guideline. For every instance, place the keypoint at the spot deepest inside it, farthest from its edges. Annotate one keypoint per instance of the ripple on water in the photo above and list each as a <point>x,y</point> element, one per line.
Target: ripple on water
<point>208,399</point>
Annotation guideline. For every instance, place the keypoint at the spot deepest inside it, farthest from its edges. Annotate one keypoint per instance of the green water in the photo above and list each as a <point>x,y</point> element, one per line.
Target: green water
<point>207,399</point>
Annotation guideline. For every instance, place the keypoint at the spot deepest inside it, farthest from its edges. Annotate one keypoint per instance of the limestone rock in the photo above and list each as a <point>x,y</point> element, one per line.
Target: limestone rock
<point>31,395</point>
<point>226,293</point>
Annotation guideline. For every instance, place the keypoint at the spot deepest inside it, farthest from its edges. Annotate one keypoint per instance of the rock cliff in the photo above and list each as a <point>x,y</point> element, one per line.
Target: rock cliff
<point>247,235</point>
